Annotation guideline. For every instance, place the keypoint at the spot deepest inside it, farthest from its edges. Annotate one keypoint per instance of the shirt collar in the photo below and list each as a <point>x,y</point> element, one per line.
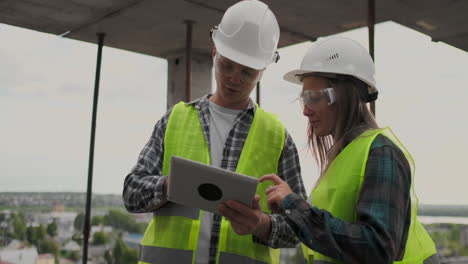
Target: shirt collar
<point>203,102</point>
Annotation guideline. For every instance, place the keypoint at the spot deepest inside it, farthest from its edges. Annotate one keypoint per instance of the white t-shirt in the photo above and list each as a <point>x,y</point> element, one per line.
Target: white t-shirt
<point>221,122</point>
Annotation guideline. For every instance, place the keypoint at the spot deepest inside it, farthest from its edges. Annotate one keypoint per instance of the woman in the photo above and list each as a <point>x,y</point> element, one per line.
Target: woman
<point>361,209</point>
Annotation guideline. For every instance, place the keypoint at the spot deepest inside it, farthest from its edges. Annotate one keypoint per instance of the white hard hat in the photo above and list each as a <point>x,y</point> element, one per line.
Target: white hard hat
<point>248,34</point>
<point>338,55</point>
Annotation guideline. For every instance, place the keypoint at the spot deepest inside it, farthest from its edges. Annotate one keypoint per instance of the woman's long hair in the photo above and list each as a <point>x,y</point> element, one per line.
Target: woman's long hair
<point>353,118</point>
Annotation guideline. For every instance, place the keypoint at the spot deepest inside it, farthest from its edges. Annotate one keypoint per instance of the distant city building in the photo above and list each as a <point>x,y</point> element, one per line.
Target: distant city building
<point>454,260</point>
<point>64,221</point>
<point>59,208</point>
<point>67,261</point>
<point>15,244</point>
<point>19,256</point>
<point>464,236</point>
<point>68,199</point>
<point>45,259</point>
<point>96,253</point>
<point>6,213</point>
<point>71,246</point>
<point>101,228</point>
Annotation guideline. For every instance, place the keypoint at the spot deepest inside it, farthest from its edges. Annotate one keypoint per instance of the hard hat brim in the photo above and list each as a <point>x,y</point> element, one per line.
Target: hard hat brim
<point>238,57</point>
<point>294,76</point>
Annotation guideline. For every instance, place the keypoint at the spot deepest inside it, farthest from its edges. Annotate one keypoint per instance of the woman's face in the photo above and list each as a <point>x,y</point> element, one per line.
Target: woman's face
<point>321,114</point>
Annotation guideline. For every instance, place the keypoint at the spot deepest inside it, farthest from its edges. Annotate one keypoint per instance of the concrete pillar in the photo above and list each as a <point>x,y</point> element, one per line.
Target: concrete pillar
<point>201,76</point>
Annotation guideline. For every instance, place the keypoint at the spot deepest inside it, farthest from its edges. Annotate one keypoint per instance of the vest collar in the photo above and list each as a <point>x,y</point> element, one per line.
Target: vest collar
<point>203,103</point>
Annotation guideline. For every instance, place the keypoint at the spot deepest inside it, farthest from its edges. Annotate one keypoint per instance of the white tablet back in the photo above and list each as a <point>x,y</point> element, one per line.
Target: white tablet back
<point>201,186</point>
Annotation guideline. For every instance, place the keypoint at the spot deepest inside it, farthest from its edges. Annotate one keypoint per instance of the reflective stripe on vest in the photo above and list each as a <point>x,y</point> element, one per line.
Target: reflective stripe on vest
<point>228,258</point>
<point>346,174</point>
<point>177,228</point>
<point>172,209</point>
<point>160,255</point>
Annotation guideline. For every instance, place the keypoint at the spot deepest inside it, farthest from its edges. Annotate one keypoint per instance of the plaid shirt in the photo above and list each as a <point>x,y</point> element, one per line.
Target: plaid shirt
<point>383,213</point>
<point>143,187</point>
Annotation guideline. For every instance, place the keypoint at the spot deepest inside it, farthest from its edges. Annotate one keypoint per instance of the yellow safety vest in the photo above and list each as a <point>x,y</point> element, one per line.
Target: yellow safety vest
<point>172,235</point>
<point>339,189</point>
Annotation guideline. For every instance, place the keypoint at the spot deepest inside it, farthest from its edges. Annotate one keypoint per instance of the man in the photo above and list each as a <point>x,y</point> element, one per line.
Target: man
<point>225,130</point>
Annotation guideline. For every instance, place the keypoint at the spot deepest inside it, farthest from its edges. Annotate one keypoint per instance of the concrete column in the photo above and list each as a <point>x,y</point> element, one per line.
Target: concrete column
<point>201,76</point>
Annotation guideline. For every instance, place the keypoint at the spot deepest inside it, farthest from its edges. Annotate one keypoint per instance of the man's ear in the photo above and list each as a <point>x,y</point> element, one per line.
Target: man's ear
<point>214,51</point>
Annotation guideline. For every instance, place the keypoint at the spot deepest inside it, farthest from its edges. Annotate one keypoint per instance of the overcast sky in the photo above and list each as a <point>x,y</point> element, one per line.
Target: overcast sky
<point>47,86</point>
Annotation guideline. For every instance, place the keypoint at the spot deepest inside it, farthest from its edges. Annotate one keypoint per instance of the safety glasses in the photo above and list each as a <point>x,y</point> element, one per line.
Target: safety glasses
<point>315,98</point>
<point>229,68</point>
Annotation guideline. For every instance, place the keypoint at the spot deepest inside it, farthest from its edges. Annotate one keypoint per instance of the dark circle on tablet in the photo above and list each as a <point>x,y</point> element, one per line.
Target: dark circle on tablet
<point>210,192</point>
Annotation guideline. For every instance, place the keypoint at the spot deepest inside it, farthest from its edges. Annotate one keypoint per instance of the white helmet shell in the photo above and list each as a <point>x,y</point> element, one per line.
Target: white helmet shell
<point>248,34</point>
<point>338,55</point>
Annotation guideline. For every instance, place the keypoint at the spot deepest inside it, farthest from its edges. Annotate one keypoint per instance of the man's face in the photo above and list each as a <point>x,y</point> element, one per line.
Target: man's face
<point>234,81</point>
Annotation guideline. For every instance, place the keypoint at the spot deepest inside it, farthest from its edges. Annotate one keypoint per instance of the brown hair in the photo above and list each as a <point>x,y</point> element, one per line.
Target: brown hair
<point>353,118</point>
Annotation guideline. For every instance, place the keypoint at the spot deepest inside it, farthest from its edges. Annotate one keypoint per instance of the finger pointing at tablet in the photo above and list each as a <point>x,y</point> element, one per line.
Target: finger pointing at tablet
<point>275,194</point>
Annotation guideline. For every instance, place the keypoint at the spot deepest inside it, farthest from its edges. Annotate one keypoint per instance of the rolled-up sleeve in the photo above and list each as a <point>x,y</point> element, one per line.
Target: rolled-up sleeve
<point>143,189</point>
<point>289,169</point>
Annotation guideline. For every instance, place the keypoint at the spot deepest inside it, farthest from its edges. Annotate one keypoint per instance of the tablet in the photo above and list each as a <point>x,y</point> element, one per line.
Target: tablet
<point>198,185</point>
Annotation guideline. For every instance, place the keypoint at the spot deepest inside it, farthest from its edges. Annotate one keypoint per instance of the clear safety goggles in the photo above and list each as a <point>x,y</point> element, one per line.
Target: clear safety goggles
<point>316,98</point>
<point>227,67</point>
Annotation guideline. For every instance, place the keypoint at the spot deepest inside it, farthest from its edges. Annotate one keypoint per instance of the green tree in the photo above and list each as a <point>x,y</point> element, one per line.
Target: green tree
<point>19,227</point>
<point>108,257</point>
<point>31,235</point>
<point>100,238</point>
<point>48,246</point>
<point>122,220</point>
<point>464,251</point>
<point>454,233</point>
<point>74,255</point>
<point>122,254</point>
<point>21,216</point>
<point>52,229</point>
<point>118,251</point>
<point>130,256</point>
<point>36,235</point>
<point>97,220</point>
<point>41,232</point>
<point>118,219</point>
<point>79,221</point>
